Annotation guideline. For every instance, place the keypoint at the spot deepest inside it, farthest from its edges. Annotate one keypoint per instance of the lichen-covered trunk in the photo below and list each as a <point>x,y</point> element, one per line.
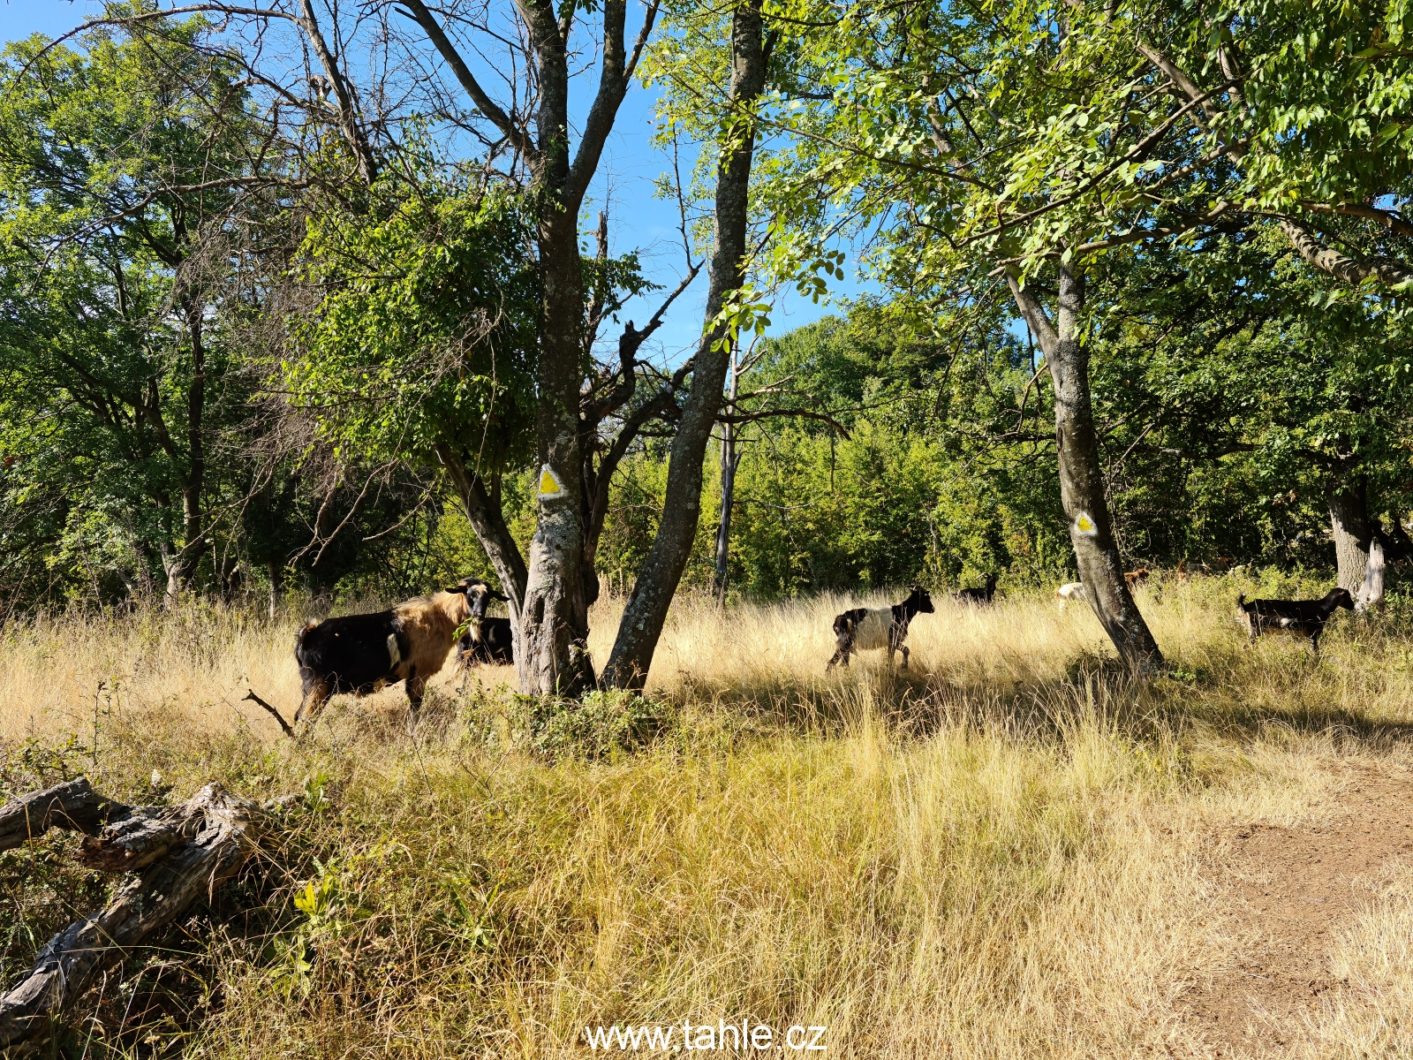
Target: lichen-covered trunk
<point>551,641</point>
<point>551,634</point>
<point>646,611</point>
<point>1350,527</point>
<point>1082,488</point>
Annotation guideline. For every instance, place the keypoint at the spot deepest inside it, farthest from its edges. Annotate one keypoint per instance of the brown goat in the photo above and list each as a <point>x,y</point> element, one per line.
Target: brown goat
<point>361,654</point>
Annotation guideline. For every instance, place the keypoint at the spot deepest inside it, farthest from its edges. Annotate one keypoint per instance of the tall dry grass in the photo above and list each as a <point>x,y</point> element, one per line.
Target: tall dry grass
<point>996,854</point>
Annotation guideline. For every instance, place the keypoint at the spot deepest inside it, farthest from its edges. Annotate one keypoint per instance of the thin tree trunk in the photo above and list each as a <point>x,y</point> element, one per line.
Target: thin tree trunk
<point>276,570</point>
<point>1350,527</point>
<point>643,618</point>
<point>483,509</point>
<point>180,564</point>
<point>1081,476</point>
<point>730,460</point>
<point>193,489</point>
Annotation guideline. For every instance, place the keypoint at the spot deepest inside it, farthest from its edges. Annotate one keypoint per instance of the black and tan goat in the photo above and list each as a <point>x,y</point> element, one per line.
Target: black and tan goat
<point>1304,618</point>
<point>982,595</point>
<point>878,627</point>
<point>360,654</point>
<point>486,640</point>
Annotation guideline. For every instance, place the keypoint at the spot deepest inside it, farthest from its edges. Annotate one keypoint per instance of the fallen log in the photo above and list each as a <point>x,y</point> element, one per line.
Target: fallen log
<point>73,805</point>
<point>179,856</point>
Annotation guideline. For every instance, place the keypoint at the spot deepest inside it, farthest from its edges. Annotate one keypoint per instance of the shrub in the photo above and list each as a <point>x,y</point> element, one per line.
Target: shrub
<point>602,725</point>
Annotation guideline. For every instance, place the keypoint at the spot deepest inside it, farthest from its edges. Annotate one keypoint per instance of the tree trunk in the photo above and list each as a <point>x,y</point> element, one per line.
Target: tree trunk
<point>551,649</point>
<point>483,508</point>
<point>730,461</point>
<point>276,571</point>
<point>1370,595</point>
<point>193,489</point>
<point>1350,527</point>
<point>643,618</point>
<point>180,563</point>
<point>1081,477</point>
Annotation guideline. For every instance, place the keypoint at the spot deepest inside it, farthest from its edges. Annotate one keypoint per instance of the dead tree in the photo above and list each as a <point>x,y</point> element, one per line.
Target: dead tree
<point>176,857</point>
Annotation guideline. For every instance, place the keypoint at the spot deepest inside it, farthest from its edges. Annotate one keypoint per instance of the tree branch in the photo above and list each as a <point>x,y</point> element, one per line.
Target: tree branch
<point>492,111</point>
<point>343,95</point>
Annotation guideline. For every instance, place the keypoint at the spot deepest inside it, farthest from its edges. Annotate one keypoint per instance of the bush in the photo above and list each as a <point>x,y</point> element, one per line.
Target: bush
<point>602,725</point>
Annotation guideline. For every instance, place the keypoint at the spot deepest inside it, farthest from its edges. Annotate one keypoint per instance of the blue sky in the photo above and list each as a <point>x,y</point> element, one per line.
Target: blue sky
<point>631,164</point>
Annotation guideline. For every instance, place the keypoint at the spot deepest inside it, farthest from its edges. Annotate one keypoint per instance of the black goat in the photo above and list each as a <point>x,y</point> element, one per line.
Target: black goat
<point>1306,618</point>
<point>878,627</point>
<point>486,640</point>
<point>978,596</point>
<point>361,654</point>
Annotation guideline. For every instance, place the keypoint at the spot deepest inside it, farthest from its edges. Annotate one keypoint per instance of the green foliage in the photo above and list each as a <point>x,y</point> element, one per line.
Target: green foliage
<point>601,725</point>
<point>917,489</point>
<point>118,299</point>
<point>1233,386</point>
<point>423,331</point>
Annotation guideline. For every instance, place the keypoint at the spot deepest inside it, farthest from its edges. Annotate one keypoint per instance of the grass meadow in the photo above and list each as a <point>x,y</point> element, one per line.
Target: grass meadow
<point>1000,853</point>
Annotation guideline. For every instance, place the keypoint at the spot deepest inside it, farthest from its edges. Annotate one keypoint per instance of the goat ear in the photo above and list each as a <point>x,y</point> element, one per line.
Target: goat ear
<point>499,596</point>
<point>455,590</point>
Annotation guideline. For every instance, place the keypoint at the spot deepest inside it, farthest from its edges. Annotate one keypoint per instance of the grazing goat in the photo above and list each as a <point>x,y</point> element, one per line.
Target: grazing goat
<point>1070,591</point>
<point>978,596</point>
<point>364,653</point>
<point>878,627</point>
<point>1306,618</point>
<point>486,640</point>
<point>1134,578</point>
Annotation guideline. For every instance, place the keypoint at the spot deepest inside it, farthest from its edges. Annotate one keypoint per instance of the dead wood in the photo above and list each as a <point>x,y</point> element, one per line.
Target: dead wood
<point>253,698</point>
<point>178,856</point>
<point>73,805</point>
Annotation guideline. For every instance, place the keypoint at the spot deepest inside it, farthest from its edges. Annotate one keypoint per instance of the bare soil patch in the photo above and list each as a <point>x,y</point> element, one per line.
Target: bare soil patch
<point>1283,893</point>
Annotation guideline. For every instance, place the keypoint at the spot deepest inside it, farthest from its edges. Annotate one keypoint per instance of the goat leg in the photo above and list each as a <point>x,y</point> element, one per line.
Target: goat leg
<point>315,696</point>
<point>415,687</point>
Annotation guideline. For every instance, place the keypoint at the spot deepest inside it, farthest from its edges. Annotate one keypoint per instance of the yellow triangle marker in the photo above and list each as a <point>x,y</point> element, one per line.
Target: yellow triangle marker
<point>1084,526</point>
<point>550,486</point>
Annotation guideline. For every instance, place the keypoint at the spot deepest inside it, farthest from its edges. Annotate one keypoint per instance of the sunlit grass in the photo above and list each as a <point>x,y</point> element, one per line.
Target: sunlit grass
<point>996,854</point>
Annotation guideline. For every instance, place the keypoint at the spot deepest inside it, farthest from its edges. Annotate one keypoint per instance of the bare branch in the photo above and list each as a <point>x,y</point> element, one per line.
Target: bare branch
<point>514,131</point>
<point>347,112</point>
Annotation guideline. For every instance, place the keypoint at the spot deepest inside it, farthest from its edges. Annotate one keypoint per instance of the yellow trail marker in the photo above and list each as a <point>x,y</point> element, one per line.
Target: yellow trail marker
<point>1084,525</point>
<point>550,486</point>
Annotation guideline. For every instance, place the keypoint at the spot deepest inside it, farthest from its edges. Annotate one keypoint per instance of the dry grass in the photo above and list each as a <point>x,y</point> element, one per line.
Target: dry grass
<point>995,855</point>
<point>1371,1014</point>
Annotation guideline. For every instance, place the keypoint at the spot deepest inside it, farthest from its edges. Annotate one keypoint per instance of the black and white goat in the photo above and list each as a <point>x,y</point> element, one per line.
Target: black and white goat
<point>361,654</point>
<point>878,627</point>
<point>486,640</point>
<point>983,595</point>
<point>1304,618</point>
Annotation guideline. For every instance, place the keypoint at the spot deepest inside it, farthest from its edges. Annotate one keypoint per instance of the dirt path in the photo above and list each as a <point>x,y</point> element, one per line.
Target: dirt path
<point>1287,891</point>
